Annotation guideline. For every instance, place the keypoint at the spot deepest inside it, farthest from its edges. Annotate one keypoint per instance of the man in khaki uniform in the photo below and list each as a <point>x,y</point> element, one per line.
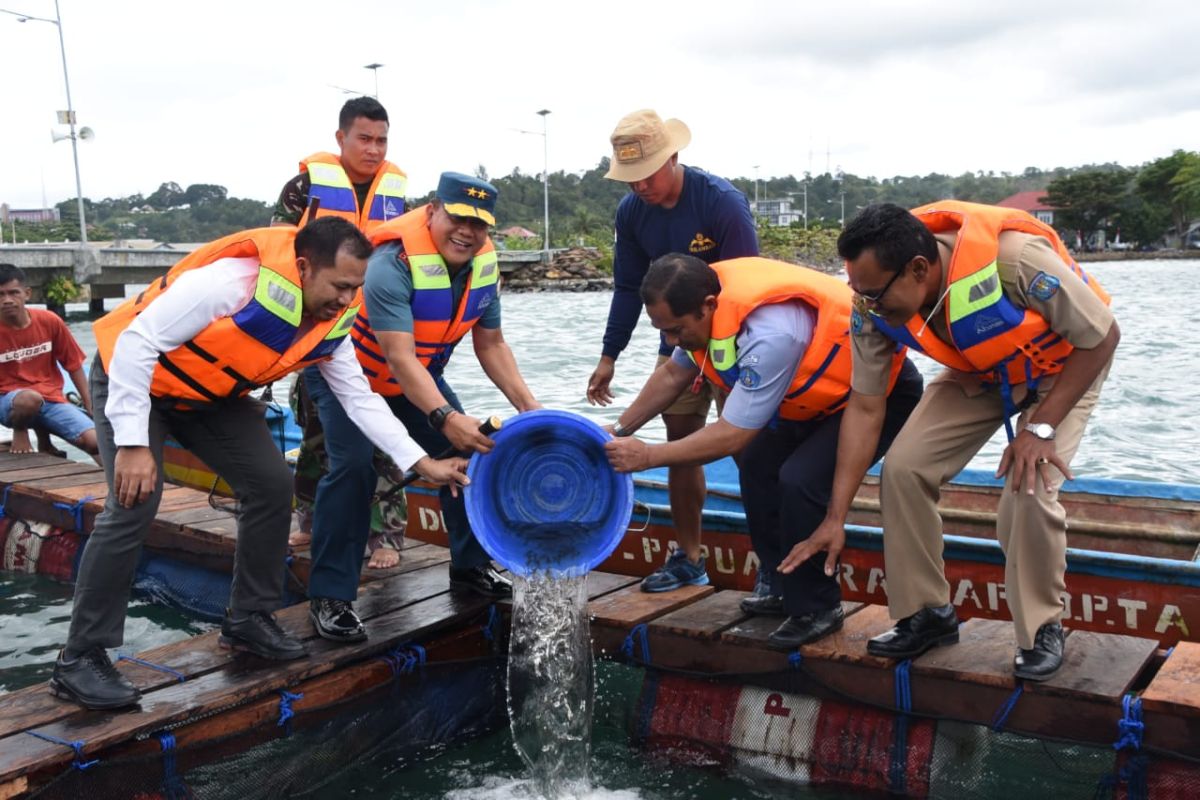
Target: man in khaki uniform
<point>993,294</point>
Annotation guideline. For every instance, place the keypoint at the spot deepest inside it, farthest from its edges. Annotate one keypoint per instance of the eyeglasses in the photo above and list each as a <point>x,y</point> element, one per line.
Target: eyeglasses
<point>874,298</point>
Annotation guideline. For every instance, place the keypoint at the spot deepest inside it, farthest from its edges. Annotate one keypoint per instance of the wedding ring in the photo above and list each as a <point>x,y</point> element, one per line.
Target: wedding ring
<point>1043,461</point>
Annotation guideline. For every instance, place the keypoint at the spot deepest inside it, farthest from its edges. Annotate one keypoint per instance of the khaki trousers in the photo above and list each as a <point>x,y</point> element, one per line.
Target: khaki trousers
<point>945,431</point>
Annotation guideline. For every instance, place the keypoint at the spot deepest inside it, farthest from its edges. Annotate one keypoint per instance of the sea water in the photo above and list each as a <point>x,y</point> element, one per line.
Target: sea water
<point>1146,427</point>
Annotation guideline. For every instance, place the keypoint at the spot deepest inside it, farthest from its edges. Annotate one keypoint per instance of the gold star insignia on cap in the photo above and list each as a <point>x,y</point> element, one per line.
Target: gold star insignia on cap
<point>470,191</point>
<point>483,195</point>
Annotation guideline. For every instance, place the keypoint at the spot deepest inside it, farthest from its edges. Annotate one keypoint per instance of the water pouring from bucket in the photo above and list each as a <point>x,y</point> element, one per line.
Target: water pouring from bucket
<point>547,506</point>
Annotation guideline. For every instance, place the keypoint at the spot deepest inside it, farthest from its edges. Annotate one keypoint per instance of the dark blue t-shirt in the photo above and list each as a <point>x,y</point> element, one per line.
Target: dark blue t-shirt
<point>711,221</point>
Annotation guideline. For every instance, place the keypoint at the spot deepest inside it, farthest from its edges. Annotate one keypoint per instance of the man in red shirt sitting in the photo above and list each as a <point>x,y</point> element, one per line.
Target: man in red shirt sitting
<point>33,343</point>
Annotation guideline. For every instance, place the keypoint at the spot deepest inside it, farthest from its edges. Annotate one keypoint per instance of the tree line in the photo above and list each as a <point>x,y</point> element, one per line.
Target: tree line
<point>1144,205</point>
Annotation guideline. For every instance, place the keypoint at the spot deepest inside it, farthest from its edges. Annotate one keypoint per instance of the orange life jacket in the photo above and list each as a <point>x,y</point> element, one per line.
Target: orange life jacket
<point>330,185</point>
<point>990,334</point>
<point>250,348</point>
<point>821,384</point>
<point>437,324</point>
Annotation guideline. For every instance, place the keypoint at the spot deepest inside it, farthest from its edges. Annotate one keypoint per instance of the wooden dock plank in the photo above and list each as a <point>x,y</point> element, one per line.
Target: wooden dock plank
<point>82,478</point>
<point>22,460</point>
<point>35,706</point>
<point>1099,665</point>
<point>241,680</point>
<point>704,619</point>
<point>602,583</point>
<point>983,655</point>
<point>631,606</point>
<point>56,470</point>
<point>1176,687</point>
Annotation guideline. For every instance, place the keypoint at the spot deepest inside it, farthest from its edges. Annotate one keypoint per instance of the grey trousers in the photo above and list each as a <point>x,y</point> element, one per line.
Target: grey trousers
<point>232,438</point>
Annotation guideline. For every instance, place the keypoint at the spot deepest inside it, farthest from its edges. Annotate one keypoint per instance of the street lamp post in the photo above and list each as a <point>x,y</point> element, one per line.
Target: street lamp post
<point>375,71</point>
<point>545,112</point>
<point>840,177</point>
<point>57,22</point>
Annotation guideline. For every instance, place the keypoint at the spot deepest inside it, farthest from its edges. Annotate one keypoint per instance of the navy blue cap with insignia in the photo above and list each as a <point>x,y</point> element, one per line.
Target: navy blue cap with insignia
<point>467,196</point>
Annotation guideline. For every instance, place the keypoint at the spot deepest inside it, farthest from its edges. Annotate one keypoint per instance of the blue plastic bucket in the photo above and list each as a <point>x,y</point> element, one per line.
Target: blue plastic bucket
<point>545,499</point>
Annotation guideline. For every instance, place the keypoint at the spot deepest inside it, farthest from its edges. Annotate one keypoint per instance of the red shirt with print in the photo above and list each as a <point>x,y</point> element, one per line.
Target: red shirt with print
<point>29,356</point>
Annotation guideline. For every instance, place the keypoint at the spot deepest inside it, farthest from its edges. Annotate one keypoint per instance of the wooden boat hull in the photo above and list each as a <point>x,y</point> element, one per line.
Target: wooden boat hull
<point>1137,595</point>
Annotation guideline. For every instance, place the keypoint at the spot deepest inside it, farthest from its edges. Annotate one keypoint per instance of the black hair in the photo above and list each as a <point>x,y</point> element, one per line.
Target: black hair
<point>320,240</point>
<point>681,280</point>
<point>11,272</point>
<point>367,107</point>
<point>895,235</point>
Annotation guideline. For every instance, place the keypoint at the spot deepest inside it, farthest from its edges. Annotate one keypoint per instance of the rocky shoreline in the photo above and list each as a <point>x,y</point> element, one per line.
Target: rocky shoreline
<point>572,270</point>
<point>1136,255</point>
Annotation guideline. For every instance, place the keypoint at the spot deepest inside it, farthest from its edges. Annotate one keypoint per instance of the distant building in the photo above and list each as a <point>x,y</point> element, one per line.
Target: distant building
<point>776,212</point>
<point>517,232</point>
<point>1031,202</point>
<point>10,215</point>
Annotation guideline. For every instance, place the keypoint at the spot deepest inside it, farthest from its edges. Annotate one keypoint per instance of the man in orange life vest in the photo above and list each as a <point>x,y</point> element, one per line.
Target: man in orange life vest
<point>180,359</point>
<point>775,336</point>
<point>993,295</point>
<point>433,278</point>
<point>358,185</point>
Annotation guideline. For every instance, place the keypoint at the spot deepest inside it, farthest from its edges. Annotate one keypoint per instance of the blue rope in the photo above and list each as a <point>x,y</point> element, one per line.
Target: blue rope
<point>158,667</point>
<point>1007,707</point>
<point>898,768</point>
<point>491,628</point>
<point>1131,725</point>
<point>286,699</point>
<point>904,686</point>
<point>76,510</point>
<point>4,499</point>
<point>77,745</point>
<point>173,786</point>
<point>639,631</point>
<point>404,658</point>
<point>796,659</point>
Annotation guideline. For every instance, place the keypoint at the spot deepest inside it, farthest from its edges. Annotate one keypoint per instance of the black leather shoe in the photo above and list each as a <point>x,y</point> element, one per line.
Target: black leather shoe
<point>1046,656</point>
<point>92,681</point>
<point>260,634</point>
<point>806,628</point>
<point>914,635</point>
<point>763,605</point>
<point>484,580</point>
<point>335,620</point>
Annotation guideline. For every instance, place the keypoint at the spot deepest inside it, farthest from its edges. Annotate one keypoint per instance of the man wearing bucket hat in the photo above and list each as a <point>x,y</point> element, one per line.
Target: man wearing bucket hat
<point>776,336</point>
<point>433,279</point>
<point>670,208</point>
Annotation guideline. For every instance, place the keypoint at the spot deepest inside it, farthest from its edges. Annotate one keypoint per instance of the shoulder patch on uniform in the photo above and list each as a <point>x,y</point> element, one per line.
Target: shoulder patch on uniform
<point>1044,286</point>
<point>856,321</point>
<point>749,378</point>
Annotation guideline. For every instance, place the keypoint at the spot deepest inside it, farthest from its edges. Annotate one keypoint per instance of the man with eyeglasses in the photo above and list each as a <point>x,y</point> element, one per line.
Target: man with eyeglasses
<point>993,295</point>
<point>774,336</point>
<point>433,278</point>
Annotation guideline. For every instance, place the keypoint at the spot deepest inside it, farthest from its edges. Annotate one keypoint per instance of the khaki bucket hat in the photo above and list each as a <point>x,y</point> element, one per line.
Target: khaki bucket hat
<point>642,143</point>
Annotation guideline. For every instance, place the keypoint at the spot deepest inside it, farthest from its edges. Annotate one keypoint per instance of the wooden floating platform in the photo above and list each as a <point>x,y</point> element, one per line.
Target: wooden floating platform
<point>700,630</point>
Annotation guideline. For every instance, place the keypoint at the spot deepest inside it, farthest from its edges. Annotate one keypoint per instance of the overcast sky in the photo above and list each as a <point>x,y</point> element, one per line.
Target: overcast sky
<point>234,93</point>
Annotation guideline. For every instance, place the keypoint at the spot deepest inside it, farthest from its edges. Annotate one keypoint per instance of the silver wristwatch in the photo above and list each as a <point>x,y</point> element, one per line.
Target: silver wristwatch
<point>621,431</point>
<point>1042,430</point>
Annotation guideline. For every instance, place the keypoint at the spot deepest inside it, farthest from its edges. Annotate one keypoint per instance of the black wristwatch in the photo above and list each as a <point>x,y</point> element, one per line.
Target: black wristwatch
<point>438,417</point>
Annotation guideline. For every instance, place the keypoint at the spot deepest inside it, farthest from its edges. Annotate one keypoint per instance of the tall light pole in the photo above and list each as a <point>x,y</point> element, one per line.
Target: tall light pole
<point>840,177</point>
<point>57,22</point>
<point>375,70</point>
<point>545,112</point>
<point>756,189</point>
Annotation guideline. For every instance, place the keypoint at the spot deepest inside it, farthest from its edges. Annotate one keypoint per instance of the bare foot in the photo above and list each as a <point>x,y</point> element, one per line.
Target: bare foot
<point>384,557</point>
<point>20,441</point>
<point>44,445</point>
<point>299,539</point>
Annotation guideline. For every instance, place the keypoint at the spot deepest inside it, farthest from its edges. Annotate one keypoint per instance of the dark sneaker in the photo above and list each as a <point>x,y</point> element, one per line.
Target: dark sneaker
<point>676,572</point>
<point>914,635</point>
<point>762,603</point>
<point>806,628</point>
<point>1046,656</point>
<point>260,634</point>
<point>335,620</point>
<point>484,580</point>
<point>92,681</point>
